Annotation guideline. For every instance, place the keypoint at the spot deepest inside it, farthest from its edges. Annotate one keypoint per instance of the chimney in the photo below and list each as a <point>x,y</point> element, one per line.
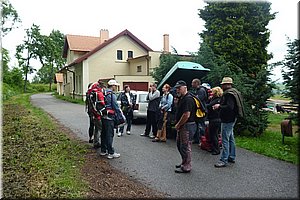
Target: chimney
<point>166,43</point>
<point>104,35</point>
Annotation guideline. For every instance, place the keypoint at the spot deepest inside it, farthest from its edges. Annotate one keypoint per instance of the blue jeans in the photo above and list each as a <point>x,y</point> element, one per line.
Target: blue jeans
<point>107,136</point>
<point>228,142</point>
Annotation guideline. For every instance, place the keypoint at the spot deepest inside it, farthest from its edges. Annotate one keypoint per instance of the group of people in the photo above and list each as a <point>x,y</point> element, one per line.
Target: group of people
<point>177,105</point>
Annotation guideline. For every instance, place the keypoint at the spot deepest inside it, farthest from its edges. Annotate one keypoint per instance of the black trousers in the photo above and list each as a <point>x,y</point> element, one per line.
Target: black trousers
<point>151,121</point>
<point>92,125</point>
<point>214,130</point>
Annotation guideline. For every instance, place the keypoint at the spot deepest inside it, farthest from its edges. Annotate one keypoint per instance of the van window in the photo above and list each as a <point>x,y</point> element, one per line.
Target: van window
<point>143,98</point>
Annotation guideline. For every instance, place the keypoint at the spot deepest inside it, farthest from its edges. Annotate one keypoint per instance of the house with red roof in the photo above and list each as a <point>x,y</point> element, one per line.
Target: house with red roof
<point>123,57</point>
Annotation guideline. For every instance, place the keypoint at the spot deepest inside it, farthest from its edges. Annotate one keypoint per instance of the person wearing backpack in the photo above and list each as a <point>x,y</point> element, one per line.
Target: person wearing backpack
<point>200,91</point>
<point>108,121</point>
<point>164,109</point>
<point>185,126</point>
<point>95,106</point>
<point>230,106</point>
<point>88,108</point>
<point>127,104</point>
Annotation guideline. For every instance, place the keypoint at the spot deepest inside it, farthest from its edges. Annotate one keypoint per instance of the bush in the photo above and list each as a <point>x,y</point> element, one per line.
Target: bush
<point>8,91</point>
<point>36,88</point>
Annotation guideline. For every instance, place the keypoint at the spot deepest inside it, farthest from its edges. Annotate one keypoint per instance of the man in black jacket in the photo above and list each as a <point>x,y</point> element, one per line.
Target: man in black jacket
<point>228,114</point>
<point>198,90</point>
<point>153,98</point>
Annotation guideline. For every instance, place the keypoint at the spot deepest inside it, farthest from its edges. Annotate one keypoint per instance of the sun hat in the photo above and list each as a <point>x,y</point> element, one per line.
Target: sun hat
<point>113,82</point>
<point>226,80</point>
<point>180,83</point>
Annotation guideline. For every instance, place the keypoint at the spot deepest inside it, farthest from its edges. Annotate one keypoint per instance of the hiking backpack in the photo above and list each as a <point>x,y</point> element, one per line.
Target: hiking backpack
<point>96,101</point>
<point>200,107</point>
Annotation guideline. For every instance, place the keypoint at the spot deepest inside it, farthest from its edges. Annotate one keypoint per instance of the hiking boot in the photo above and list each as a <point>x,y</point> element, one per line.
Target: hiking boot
<point>115,155</point>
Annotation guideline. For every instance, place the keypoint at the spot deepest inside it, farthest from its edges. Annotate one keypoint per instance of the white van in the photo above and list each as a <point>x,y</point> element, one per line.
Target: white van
<point>140,108</point>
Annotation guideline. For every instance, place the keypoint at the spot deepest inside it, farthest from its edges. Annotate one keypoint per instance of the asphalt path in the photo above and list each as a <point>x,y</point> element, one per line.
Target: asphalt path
<point>153,164</point>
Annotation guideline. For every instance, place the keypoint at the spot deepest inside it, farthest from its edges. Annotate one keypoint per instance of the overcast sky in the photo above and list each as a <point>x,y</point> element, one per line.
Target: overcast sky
<point>148,20</point>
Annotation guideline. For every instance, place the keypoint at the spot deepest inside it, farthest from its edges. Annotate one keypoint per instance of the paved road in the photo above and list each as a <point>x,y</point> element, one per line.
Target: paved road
<point>252,176</point>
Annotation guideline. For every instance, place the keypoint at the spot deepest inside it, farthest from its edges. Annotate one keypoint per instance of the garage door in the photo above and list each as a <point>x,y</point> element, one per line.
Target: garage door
<point>140,86</point>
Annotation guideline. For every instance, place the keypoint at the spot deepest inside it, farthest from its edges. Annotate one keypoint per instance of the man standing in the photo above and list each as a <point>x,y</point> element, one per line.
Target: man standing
<point>231,103</point>
<point>107,134</point>
<point>198,90</point>
<point>153,98</point>
<point>185,126</point>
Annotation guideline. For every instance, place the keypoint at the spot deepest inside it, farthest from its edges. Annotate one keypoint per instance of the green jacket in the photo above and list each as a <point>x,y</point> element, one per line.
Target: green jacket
<point>239,100</point>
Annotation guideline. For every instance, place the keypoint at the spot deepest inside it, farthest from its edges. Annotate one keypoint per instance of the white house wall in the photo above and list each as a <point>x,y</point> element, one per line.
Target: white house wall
<point>104,64</point>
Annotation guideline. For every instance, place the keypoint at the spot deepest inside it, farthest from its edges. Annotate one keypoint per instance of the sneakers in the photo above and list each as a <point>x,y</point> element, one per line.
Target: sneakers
<point>144,134</point>
<point>119,134</point>
<point>220,164</point>
<point>128,132</point>
<point>115,155</point>
<point>103,153</point>
<point>151,136</point>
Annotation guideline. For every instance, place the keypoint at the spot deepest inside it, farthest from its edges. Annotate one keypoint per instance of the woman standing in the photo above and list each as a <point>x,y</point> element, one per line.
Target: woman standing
<point>214,120</point>
<point>164,109</point>
<point>127,104</point>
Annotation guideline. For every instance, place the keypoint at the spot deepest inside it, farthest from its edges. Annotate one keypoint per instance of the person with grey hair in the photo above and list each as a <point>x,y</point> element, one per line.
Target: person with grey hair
<point>185,126</point>
<point>154,98</point>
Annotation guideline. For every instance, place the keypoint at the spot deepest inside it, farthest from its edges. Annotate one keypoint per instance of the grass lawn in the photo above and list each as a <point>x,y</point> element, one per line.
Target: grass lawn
<point>270,142</point>
<point>39,159</point>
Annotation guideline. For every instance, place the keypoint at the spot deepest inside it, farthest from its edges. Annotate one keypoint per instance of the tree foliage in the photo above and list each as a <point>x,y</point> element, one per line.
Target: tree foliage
<point>290,71</point>
<point>9,17</point>
<point>45,49</point>
<point>234,44</point>
<point>238,33</point>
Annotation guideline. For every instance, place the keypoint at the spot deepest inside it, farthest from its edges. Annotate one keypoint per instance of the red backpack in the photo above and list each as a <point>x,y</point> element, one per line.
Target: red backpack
<point>96,100</point>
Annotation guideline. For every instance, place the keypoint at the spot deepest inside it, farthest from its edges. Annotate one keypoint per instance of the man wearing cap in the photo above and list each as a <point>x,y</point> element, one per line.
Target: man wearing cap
<point>107,134</point>
<point>228,114</point>
<point>185,126</point>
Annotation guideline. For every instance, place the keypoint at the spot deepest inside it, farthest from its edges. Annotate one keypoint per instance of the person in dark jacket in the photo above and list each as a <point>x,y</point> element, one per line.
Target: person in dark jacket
<point>154,98</point>
<point>228,114</point>
<point>198,90</point>
<point>214,120</point>
<point>127,104</point>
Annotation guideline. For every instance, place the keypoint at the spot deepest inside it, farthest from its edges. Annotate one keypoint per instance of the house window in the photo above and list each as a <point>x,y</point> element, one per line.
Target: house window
<point>139,68</point>
<point>119,54</point>
<point>130,54</point>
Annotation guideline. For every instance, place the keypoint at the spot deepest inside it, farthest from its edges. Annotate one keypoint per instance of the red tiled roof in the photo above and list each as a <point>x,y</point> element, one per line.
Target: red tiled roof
<point>80,43</point>
<point>123,33</point>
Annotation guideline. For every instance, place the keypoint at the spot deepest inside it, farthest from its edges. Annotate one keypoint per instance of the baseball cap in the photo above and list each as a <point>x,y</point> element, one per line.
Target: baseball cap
<point>180,83</point>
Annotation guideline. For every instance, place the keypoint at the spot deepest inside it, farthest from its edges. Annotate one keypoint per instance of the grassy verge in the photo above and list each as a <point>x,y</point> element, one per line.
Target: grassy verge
<point>69,99</point>
<point>270,143</point>
<point>39,160</point>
